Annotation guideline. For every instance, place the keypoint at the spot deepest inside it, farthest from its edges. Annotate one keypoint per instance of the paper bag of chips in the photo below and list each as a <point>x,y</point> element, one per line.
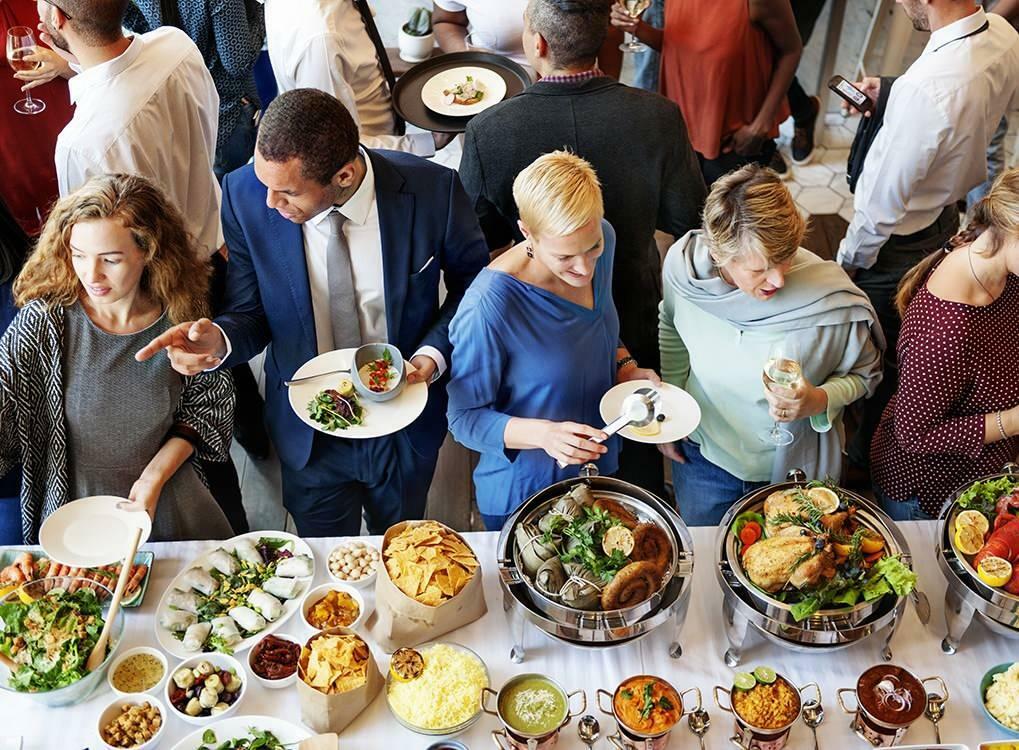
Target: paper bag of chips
<point>337,678</point>
<point>429,583</point>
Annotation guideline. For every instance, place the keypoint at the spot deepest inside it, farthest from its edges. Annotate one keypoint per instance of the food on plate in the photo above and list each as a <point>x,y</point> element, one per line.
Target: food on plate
<point>204,690</point>
<point>535,706</point>
<point>133,726</point>
<point>256,739</point>
<point>213,610</point>
<point>765,705</point>
<point>1002,697</point>
<point>465,92</point>
<point>336,411</point>
<point>812,551</point>
<point>647,705</point>
<point>50,638</point>
<point>335,663</point>
<point>406,664</point>
<point>588,552</point>
<point>379,375</point>
<point>275,658</point>
<point>337,609</point>
<point>26,567</point>
<point>651,429</point>
<point>137,673</point>
<point>445,694</point>
<point>891,694</point>
<point>429,563</point>
<point>989,528</point>
<point>353,561</point>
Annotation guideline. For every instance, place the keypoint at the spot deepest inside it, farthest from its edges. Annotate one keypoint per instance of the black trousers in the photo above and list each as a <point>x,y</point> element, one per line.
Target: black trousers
<point>881,283</point>
<point>806,13</point>
<point>712,169</point>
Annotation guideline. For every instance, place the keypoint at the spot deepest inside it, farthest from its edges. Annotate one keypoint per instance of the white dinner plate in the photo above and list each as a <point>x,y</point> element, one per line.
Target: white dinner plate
<point>380,419</point>
<point>92,531</point>
<point>488,81</point>
<point>682,414</point>
<point>237,726</point>
<point>172,646</point>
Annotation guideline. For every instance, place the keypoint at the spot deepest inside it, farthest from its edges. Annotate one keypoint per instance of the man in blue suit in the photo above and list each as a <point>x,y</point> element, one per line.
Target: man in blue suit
<point>332,245</point>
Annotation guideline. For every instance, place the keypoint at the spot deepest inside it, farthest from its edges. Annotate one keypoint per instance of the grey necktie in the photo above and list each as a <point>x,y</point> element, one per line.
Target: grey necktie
<point>342,300</point>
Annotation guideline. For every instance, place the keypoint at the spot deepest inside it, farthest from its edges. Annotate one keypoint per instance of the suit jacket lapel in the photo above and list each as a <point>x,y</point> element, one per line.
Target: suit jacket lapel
<point>396,218</point>
<point>288,241</point>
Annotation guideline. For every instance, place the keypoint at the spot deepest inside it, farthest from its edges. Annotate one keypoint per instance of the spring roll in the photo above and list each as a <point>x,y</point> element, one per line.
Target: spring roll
<point>226,630</point>
<point>298,566</point>
<point>195,636</point>
<point>223,561</point>
<point>199,580</point>
<point>247,619</point>
<point>246,552</point>
<point>176,620</point>
<point>185,600</point>
<point>265,604</point>
<point>282,588</point>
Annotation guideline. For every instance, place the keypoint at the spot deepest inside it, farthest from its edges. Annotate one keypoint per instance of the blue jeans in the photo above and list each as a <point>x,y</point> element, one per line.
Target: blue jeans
<point>10,520</point>
<point>645,64</point>
<point>704,492</point>
<point>901,510</point>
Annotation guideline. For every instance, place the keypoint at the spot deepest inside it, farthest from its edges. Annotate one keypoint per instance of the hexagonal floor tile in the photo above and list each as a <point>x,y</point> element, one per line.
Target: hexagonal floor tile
<point>812,175</point>
<point>840,186</point>
<point>820,200</point>
<point>793,188</point>
<point>838,136</point>
<point>835,159</point>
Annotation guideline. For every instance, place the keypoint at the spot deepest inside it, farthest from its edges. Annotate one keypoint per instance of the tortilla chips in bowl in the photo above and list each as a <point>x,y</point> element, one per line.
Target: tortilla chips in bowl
<point>429,563</point>
<point>337,679</point>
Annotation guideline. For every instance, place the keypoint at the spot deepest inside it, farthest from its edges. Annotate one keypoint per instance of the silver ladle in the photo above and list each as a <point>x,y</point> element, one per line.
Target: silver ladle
<point>700,722</point>
<point>813,715</point>
<point>589,730</point>
<point>637,410</point>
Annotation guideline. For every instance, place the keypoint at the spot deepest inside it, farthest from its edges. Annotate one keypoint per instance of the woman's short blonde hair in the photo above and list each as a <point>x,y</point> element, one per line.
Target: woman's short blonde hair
<point>750,210</point>
<point>176,275</point>
<point>557,194</point>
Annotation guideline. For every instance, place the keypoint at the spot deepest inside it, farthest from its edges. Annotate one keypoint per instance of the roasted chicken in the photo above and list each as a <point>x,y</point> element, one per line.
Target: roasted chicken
<point>775,561</point>
<point>790,503</point>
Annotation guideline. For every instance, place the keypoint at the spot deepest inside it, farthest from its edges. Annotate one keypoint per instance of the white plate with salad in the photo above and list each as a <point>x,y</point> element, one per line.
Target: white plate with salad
<point>235,593</point>
<point>331,405</point>
<point>463,92</point>
<point>243,732</point>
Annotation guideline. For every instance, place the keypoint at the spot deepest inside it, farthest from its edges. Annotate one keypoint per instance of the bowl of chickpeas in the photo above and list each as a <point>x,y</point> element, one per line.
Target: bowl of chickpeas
<point>354,562</point>
<point>206,688</point>
<point>134,720</point>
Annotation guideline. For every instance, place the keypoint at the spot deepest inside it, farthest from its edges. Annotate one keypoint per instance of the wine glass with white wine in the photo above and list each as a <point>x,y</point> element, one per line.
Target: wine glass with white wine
<point>633,9</point>
<point>21,43</point>
<point>783,369</point>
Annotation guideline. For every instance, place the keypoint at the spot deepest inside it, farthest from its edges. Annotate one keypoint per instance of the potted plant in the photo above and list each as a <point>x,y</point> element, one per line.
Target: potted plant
<point>416,37</point>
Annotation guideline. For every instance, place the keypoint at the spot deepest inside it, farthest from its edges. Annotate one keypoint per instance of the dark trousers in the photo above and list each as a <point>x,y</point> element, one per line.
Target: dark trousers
<point>806,13</point>
<point>386,479</point>
<point>712,169</point>
<point>235,150</point>
<point>881,282</point>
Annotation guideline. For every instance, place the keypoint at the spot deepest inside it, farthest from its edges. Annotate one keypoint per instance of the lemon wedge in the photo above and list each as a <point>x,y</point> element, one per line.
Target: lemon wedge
<point>968,540</point>
<point>995,571</point>
<point>824,499</point>
<point>975,519</point>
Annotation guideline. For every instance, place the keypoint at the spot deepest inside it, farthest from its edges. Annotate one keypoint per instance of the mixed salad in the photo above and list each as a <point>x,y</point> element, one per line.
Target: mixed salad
<point>337,408</point>
<point>50,638</point>
<point>465,93</point>
<point>256,739</point>
<point>986,531</point>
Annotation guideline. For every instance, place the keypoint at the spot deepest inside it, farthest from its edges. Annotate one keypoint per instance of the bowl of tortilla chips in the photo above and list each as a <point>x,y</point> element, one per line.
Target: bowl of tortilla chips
<point>429,563</point>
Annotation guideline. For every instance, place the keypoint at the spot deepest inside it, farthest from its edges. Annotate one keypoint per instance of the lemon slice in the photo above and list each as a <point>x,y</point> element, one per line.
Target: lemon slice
<point>824,499</point>
<point>652,428</point>
<point>968,540</point>
<point>618,538</point>
<point>974,518</point>
<point>345,387</point>
<point>995,571</point>
<point>406,664</point>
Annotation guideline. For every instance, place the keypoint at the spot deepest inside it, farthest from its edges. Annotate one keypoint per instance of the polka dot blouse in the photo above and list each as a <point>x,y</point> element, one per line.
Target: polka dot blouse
<point>957,363</point>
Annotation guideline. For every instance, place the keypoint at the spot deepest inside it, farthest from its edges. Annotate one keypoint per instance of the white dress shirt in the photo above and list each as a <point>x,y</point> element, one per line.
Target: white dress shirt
<point>501,20</point>
<point>931,149</point>
<point>152,111</point>
<point>323,44</point>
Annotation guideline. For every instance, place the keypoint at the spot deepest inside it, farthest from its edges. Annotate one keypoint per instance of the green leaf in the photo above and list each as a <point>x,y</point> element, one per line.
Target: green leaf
<point>208,736</point>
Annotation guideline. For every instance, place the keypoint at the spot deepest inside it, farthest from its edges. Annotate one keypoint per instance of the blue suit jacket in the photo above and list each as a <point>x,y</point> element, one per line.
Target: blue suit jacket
<point>425,218</point>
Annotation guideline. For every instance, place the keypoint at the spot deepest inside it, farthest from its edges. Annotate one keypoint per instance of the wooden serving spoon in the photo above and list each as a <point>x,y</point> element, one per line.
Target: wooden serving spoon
<point>98,655</point>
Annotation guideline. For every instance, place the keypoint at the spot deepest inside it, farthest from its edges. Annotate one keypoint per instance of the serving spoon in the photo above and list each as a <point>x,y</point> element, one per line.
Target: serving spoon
<point>589,730</point>
<point>700,723</point>
<point>637,410</point>
<point>98,655</point>
<point>813,715</point>
<point>934,711</point>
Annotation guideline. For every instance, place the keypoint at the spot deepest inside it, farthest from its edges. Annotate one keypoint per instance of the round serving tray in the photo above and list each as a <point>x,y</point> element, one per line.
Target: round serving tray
<point>407,91</point>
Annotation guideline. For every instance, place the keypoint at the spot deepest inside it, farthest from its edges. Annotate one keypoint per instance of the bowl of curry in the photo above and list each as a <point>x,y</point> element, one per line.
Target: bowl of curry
<point>646,706</point>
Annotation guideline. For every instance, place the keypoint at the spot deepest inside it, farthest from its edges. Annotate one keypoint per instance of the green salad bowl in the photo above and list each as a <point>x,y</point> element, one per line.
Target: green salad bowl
<point>61,586</point>
<point>986,683</point>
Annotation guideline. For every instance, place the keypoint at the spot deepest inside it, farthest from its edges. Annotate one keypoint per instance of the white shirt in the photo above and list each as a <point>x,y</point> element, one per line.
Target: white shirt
<point>152,111</point>
<point>931,149</point>
<point>501,20</point>
<point>323,44</point>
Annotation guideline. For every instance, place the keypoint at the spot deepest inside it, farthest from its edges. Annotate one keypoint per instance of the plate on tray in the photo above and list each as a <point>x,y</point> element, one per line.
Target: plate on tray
<point>237,727</point>
<point>107,574</point>
<point>297,546</point>
<point>488,82</point>
<point>379,418</point>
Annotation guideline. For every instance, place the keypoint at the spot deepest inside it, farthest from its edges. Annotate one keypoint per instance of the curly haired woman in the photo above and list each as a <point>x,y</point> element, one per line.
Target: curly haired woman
<point>113,267</point>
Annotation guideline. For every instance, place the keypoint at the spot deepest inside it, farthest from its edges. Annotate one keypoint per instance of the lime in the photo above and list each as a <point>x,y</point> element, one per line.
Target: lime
<point>824,499</point>
<point>765,675</point>
<point>744,681</point>
<point>995,571</point>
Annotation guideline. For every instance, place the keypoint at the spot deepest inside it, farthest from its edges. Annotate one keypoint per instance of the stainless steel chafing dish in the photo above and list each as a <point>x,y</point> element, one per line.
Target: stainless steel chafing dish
<point>967,597</point>
<point>525,603</point>
<point>749,610</point>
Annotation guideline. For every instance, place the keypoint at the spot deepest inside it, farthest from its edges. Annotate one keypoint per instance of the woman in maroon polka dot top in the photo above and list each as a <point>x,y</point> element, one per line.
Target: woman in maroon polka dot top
<point>955,416</point>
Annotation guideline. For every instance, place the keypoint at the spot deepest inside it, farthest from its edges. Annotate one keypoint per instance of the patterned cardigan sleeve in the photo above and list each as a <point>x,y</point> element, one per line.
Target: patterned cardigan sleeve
<point>206,408</point>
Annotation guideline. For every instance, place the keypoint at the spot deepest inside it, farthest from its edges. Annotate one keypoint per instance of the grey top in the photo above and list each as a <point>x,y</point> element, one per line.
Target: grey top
<point>118,412</point>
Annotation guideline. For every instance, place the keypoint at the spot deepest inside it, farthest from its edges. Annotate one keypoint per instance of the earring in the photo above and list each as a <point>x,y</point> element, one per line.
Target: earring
<point>530,251</point>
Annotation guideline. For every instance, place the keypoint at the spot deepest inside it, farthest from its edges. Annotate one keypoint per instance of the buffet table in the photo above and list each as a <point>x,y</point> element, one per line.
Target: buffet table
<point>701,664</point>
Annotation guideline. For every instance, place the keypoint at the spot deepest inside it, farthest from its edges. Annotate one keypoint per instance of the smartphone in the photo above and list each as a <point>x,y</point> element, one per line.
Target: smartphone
<point>856,98</point>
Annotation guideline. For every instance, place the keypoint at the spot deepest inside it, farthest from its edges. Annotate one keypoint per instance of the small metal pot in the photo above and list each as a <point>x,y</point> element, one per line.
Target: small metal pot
<point>510,738</point>
<point>750,737</point>
<point>627,738</point>
<point>871,729</point>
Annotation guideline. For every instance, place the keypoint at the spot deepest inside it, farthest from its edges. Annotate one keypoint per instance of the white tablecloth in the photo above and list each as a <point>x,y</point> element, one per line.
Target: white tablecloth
<point>701,665</point>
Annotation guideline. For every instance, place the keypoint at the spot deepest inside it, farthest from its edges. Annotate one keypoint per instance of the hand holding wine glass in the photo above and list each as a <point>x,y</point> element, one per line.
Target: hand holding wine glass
<point>782,369</point>
<point>625,14</point>
<point>20,45</point>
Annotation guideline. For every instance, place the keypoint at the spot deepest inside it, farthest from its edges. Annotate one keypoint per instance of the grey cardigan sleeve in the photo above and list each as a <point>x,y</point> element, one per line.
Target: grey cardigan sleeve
<point>206,411</point>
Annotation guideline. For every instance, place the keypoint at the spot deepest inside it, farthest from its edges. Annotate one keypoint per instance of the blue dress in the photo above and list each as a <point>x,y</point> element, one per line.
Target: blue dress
<point>521,351</point>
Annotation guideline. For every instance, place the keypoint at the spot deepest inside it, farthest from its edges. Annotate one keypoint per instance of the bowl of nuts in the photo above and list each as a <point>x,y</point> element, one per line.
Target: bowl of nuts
<point>135,720</point>
<point>354,562</point>
<point>206,687</point>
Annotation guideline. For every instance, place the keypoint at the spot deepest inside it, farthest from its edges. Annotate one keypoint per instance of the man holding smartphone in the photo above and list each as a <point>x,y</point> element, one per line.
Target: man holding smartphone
<point>930,151</point>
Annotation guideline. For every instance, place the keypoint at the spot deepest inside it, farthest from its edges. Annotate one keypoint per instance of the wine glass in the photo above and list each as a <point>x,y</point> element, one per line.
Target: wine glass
<point>783,369</point>
<point>21,42</point>
<point>634,8</point>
